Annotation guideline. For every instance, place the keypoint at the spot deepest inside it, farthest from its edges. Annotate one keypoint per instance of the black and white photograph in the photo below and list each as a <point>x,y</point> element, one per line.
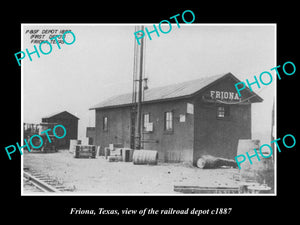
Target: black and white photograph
<point>142,109</point>
<point>149,114</point>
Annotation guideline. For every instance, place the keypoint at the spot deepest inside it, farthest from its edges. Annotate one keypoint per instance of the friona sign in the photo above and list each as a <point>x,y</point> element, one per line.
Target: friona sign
<point>224,95</point>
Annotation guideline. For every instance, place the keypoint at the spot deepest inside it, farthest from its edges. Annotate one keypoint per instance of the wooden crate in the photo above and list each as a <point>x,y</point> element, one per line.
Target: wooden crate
<point>85,151</point>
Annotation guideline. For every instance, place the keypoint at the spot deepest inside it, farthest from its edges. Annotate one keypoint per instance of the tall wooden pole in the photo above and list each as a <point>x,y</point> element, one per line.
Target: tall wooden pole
<point>140,94</point>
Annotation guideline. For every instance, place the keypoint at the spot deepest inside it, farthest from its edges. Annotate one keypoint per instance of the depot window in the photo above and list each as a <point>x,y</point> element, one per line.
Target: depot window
<point>222,112</point>
<point>105,123</point>
<point>168,121</point>
<point>146,121</point>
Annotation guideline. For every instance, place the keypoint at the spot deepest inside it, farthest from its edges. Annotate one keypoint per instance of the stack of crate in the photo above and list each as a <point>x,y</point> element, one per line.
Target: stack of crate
<point>116,153</point>
<point>85,151</point>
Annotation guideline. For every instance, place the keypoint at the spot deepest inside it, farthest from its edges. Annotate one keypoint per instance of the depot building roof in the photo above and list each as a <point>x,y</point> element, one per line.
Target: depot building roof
<point>170,92</point>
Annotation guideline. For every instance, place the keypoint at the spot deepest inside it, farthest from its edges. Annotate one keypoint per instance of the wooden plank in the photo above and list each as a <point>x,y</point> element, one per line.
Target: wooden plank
<point>206,189</point>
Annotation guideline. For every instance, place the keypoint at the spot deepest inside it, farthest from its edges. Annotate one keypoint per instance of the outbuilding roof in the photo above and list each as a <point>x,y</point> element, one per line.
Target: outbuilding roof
<point>62,113</point>
<point>169,92</point>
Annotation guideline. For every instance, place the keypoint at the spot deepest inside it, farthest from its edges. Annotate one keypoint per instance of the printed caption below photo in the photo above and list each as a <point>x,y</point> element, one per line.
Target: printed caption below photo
<point>151,211</point>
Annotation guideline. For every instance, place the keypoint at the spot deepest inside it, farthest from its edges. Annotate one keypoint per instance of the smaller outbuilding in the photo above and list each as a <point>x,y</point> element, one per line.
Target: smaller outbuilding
<point>69,121</point>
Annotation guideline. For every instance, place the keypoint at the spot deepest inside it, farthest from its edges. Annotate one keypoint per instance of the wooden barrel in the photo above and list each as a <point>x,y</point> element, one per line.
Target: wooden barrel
<point>148,157</point>
<point>73,144</point>
<point>204,161</point>
<point>211,162</point>
<point>259,171</point>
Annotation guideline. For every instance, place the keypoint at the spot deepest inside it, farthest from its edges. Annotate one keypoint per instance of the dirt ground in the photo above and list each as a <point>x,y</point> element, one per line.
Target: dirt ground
<point>98,176</point>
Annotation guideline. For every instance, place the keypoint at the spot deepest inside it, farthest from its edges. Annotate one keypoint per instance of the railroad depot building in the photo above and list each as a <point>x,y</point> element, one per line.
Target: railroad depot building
<point>181,121</point>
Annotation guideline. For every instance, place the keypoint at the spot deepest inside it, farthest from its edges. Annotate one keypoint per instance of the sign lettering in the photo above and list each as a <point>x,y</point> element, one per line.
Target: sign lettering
<point>224,95</point>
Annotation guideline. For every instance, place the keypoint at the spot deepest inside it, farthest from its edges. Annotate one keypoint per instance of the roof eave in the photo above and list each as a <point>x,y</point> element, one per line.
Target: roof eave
<point>145,102</point>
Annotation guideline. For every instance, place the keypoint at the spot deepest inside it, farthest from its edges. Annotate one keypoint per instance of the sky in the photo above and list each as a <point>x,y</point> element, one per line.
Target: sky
<point>99,64</point>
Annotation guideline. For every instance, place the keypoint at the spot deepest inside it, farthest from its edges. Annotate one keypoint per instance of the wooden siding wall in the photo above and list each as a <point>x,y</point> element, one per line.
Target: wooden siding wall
<point>118,127</point>
<point>219,137</point>
<point>71,126</point>
<point>175,146</point>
